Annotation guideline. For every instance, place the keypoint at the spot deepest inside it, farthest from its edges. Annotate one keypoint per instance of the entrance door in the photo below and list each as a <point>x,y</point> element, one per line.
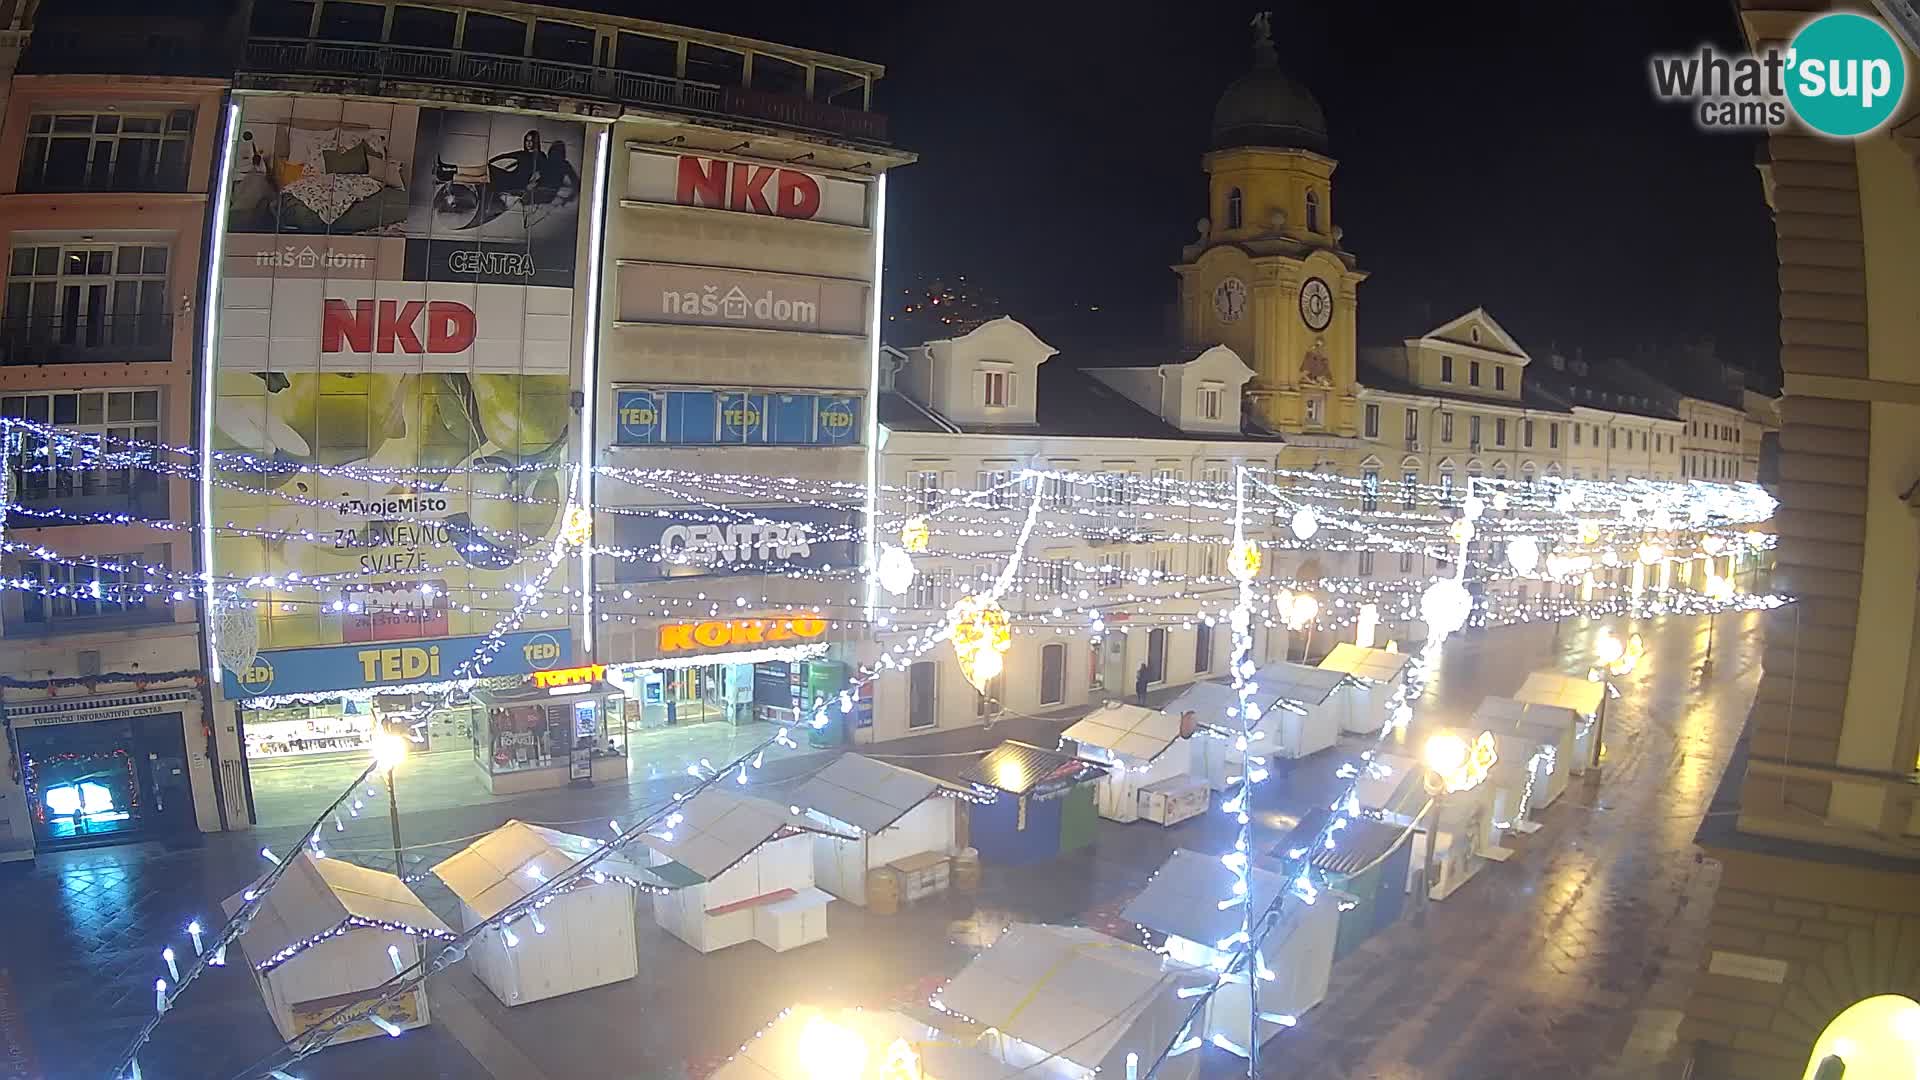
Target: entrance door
<point>106,780</point>
<point>1116,679</point>
<point>161,758</point>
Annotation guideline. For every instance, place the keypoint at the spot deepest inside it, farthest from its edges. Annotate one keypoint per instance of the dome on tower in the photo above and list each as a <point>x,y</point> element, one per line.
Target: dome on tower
<point>1266,108</point>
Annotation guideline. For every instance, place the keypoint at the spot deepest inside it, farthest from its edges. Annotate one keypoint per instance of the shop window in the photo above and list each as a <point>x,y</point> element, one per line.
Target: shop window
<point>1053,674</point>
<point>1156,656</point>
<point>71,473</point>
<point>1203,649</point>
<point>125,150</point>
<point>922,681</point>
<point>421,27</point>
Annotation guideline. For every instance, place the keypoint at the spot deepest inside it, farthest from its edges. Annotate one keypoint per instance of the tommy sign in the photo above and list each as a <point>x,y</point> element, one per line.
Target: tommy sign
<point>711,296</point>
<point>745,187</point>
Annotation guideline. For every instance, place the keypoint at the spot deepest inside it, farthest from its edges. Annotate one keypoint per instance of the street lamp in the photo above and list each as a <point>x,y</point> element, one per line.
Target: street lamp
<point>1719,590</point>
<point>389,750</point>
<point>1300,612</point>
<point>1616,657</point>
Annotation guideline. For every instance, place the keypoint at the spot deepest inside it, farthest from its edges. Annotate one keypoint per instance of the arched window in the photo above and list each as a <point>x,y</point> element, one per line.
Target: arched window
<point>1235,209</point>
<point>1313,211</point>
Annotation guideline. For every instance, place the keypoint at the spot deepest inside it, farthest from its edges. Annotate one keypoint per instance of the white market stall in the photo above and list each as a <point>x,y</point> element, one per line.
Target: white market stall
<point>1295,718</point>
<point>328,932</point>
<point>1470,822</point>
<point>892,814</point>
<point>1375,677</point>
<point>582,937</point>
<point>811,1043</point>
<point>739,869</point>
<point>1390,787</point>
<point>1067,1003</point>
<point>1182,901</point>
<point>1151,756</point>
<point>1550,728</point>
<point>1586,697</point>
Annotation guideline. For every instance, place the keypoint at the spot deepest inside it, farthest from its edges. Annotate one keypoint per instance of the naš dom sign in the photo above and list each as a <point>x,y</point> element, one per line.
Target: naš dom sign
<point>735,633</point>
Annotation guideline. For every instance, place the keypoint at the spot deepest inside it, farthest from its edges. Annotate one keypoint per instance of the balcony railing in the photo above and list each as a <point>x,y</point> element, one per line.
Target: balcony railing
<point>70,493</point>
<point>373,60</point>
<point>87,339</point>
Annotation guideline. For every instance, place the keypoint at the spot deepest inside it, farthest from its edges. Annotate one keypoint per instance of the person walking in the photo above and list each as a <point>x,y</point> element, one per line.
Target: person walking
<point>1140,680</point>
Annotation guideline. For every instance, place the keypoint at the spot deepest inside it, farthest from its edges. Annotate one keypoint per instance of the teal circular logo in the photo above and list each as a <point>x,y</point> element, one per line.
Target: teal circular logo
<point>1845,74</point>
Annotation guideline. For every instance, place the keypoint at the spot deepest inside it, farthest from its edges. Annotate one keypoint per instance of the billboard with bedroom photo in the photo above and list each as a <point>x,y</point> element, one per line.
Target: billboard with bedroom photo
<point>397,336</point>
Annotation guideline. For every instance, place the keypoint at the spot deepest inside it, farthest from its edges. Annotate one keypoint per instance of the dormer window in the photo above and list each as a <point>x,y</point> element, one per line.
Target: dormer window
<point>1473,334</point>
<point>996,388</point>
<point>1236,209</point>
<point>1313,212</point>
<point>1208,400</point>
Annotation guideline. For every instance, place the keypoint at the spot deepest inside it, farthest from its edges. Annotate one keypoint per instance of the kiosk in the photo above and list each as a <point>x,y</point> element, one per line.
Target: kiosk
<point>1151,759</point>
<point>1374,678</point>
<point>893,815</point>
<point>739,869</point>
<point>1042,806</point>
<point>1586,697</point>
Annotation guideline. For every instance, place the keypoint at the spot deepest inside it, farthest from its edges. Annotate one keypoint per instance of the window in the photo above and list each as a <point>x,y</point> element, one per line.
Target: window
<point>1113,568</point>
<point>1406,562</point>
<point>1473,373</point>
<point>996,389</point>
<point>923,680</point>
<point>929,591</point>
<point>564,42</point>
<point>136,150</point>
<point>1056,577</point>
<point>1576,434</point>
<point>1409,488</point>
<point>1499,376</point>
<point>429,28</point>
<point>1596,435</point>
<point>707,64</point>
<point>1316,410</point>
<point>1373,421</point>
<point>1110,489</point>
<point>1206,560</point>
<point>1553,436</point>
<point>1209,401</point>
<point>1235,209</point>
<point>1056,493</point>
<point>1162,555</point>
<point>102,587</point>
<point>495,34</point>
<point>1157,656</point>
<point>1366,563</point>
<point>1214,474</point>
<point>926,486</point>
<point>990,701</point>
<point>1053,674</point>
<point>65,302</point>
<point>1473,432</point>
<point>1203,649</point>
<point>1613,438</point>
<point>998,485</point>
<point>1446,428</point>
<point>1313,211</point>
<point>1500,431</point>
<point>1446,369</point>
<point>1446,482</point>
<point>1096,670</point>
<point>1370,490</point>
<point>1413,428</point>
<point>70,472</point>
<point>1166,483</point>
<point>1526,434</point>
<point>1526,473</point>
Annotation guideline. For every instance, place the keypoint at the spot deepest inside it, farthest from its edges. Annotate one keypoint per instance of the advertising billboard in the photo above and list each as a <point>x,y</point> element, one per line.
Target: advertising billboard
<point>397,334</point>
<point>766,540</point>
<point>745,187</point>
<point>693,417</point>
<point>713,296</point>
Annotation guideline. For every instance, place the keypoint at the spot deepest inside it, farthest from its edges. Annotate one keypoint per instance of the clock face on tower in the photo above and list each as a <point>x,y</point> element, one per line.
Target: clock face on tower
<point>1230,299</point>
<point>1316,304</point>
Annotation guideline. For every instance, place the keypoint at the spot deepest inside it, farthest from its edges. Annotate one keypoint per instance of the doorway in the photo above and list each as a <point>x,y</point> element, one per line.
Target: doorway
<point>106,781</point>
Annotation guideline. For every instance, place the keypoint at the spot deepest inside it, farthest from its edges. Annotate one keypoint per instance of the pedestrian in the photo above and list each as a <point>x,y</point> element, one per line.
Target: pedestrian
<point>1140,686</point>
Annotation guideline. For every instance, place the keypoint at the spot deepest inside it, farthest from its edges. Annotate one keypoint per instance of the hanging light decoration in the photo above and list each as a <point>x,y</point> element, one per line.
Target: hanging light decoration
<point>914,534</point>
<point>1444,606</point>
<point>1651,553</point>
<point>1244,561</point>
<point>1473,506</point>
<point>982,634</point>
<point>1589,532</point>
<point>1461,530</point>
<point>576,529</point>
<point>895,570</point>
<point>1301,610</point>
<point>1523,554</point>
<point>1713,543</point>
<point>1304,524</point>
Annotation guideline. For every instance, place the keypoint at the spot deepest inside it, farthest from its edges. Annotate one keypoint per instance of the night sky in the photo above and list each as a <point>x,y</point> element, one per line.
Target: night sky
<point>1504,154</point>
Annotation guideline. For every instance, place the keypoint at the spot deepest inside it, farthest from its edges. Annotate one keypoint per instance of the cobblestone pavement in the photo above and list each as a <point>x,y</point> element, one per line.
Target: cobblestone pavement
<point>1572,959</point>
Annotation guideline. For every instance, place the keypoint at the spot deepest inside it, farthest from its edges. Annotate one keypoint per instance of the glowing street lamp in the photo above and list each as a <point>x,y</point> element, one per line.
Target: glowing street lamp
<point>389,750</point>
<point>1299,616</point>
<point>1452,765</point>
<point>827,1051</point>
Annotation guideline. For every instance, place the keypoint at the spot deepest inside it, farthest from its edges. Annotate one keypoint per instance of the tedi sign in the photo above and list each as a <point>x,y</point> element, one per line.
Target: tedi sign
<point>389,326</point>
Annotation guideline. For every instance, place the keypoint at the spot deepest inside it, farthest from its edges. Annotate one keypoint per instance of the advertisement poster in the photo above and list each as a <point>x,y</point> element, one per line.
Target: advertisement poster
<point>397,296</point>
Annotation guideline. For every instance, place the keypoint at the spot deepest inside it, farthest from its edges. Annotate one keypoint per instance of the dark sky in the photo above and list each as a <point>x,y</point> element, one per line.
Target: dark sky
<point>1506,154</point>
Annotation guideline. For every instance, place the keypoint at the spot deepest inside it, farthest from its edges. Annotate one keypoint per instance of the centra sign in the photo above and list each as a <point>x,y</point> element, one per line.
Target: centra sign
<point>733,633</point>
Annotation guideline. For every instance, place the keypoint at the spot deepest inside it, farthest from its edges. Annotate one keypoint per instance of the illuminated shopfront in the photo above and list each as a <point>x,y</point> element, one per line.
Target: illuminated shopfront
<point>730,671</point>
<point>558,727</point>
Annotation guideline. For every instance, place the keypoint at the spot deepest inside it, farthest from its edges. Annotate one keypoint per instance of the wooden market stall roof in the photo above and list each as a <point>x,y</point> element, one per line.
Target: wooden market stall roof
<point>1019,768</point>
<point>503,867</point>
<point>317,896</point>
<point>717,829</point>
<point>1374,665</point>
<point>1507,716</point>
<point>1284,680</point>
<point>870,795</point>
<point>1576,692</point>
<point>1183,897</point>
<point>1130,731</point>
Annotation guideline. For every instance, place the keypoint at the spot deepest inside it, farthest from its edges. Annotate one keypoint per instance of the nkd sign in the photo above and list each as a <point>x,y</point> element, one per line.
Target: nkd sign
<point>745,187</point>
<point>711,296</point>
<point>390,326</point>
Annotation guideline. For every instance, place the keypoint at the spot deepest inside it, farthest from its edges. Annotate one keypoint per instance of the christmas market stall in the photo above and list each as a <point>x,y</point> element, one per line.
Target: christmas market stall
<point>580,936</point>
<point>811,1043</point>
<point>1586,697</point>
<point>1375,677</point>
<point>1295,717</point>
<point>1042,803</point>
<point>738,869</point>
<point>1150,755</point>
<point>1368,862</point>
<point>1550,728</point>
<point>1465,788</point>
<point>1182,900</point>
<point>328,932</point>
<point>1068,1003</point>
<point>902,830</point>
<point>1389,787</point>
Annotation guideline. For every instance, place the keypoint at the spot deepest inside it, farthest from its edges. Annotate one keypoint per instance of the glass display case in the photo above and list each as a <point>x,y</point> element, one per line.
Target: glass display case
<point>517,736</point>
<point>305,730</point>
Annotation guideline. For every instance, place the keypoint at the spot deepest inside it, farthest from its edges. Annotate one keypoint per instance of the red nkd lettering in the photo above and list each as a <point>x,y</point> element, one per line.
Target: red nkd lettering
<point>738,185</point>
<point>750,188</point>
<point>702,182</point>
<point>799,194</point>
<point>388,326</point>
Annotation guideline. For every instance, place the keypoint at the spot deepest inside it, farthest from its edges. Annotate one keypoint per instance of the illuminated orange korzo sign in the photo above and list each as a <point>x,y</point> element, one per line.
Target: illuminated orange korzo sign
<point>683,637</point>
<point>573,676</point>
